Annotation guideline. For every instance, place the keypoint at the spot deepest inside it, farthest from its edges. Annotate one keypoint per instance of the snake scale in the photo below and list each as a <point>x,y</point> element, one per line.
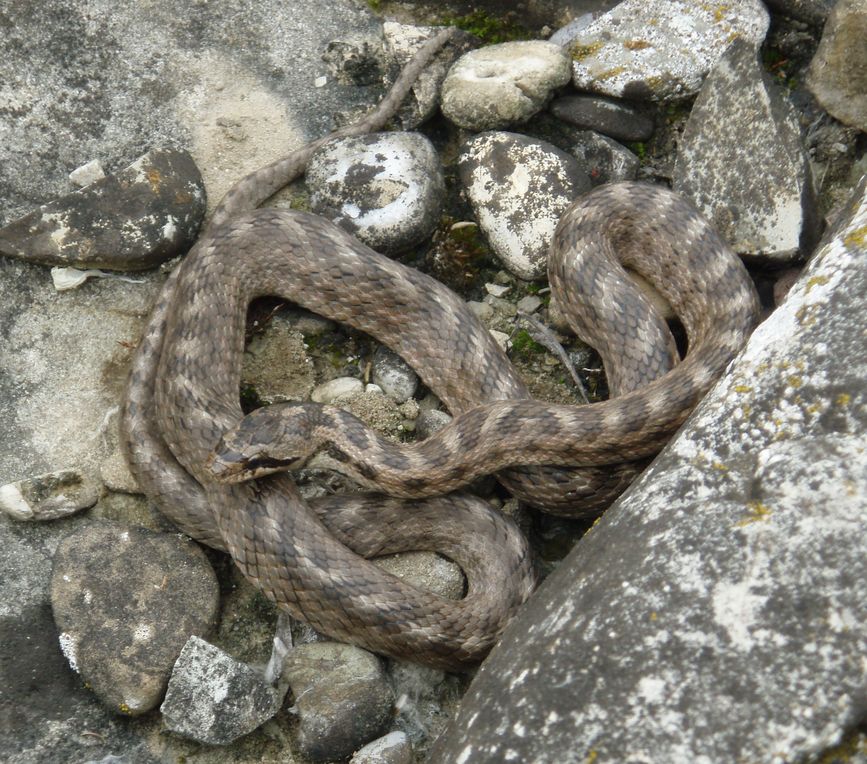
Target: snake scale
<point>182,399</point>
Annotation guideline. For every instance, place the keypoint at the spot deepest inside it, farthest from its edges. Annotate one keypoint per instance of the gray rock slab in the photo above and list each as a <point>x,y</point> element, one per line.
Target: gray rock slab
<point>214,699</point>
<point>147,213</point>
<point>518,188</point>
<point>341,698</point>
<point>387,189</point>
<point>742,163</point>
<point>501,85</point>
<point>660,50</point>
<point>125,601</point>
<point>393,748</point>
<point>715,612</point>
<point>838,71</point>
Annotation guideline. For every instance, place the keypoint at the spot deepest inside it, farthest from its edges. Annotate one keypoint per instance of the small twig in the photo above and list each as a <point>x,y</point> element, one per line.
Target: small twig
<point>545,337</point>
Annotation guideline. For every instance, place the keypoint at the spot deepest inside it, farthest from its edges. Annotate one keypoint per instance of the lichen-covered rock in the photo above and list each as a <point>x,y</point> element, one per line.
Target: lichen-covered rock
<point>125,601</point>
<point>660,50</point>
<point>341,698</point>
<point>132,220</point>
<point>741,162</point>
<point>214,699</point>
<point>838,71</point>
<point>714,612</point>
<point>501,85</point>
<point>518,188</point>
<point>387,188</point>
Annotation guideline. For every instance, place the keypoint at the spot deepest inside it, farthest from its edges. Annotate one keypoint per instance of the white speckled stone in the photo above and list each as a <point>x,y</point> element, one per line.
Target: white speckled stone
<point>518,188</point>
<point>501,85</point>
<point>660,49</point>
<point>386,188</point>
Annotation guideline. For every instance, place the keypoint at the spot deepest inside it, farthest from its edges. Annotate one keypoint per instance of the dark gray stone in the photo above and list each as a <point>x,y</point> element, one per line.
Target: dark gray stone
<point>387,188</point>
<point>341,698</point>
<point>143,215</point>
<point>715,612</point>
<point>518,188</point>
<point>606,160</point>
<point>394,375</point>
<point>125,601</point>
<point>660,50</point>
<point>741,162</point>
<point>214,699</point>
<point>838,72</point>
<point>604,115</point>
<point>813,11</point>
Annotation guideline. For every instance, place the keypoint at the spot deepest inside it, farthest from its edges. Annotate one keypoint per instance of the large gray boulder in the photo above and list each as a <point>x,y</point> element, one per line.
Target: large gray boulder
<point>717,611</point>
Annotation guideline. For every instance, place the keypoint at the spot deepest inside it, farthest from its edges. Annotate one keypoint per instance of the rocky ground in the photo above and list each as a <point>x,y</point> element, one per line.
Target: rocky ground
<point>713,614</point>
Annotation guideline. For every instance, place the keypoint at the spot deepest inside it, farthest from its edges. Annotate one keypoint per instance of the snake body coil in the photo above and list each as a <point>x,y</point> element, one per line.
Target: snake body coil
<point>183,397</point>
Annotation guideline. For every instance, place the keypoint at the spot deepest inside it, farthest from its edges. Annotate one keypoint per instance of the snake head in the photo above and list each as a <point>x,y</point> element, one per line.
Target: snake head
<point>260,444</point>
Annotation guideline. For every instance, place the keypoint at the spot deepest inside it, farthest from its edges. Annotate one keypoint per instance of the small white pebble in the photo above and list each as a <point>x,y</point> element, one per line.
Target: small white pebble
<point>320,82</point>
<point>87,174</point>
<point>497,290</point>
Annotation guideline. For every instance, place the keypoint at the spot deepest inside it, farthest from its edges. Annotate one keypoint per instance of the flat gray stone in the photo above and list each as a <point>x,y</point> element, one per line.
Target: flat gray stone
<point>145,214</point>
<point>615,119</point>
<point>742,163</point>
<point>393,748</point>
<point>660,50</point>
<point>715,612</point>
<point>387,189</point>
<point>501,85</point>
<point>341,698</point>
<point>518,188</point>
<point>125,601</point>
<point>49,496</point>
<point>838,72</point>
<point>214,699</point>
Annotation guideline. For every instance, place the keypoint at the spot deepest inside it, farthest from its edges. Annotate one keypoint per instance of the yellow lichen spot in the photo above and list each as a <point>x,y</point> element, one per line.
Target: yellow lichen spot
<point>743,389</point>
<point>807,315</point>
<point>581,51</point>
<point>592,756</point>
<point>653,615</point>
<point>636,44</point>
<point>757,512</point>
<point>795,380</point>
<point>124,709</point>
<point>843,399</point>
<point>747,409</point>
<point>815,408</point>
<point>816,281</point>
<point>155,179</point>
<point>856,238</point>
<point>609,74</point>
<point>719,466</point>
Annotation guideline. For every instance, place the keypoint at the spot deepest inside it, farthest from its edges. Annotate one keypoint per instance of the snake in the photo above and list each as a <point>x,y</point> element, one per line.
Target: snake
<point>184,432</point>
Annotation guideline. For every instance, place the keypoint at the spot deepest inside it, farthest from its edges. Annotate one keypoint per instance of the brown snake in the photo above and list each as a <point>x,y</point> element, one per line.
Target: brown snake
<point>182,398</point>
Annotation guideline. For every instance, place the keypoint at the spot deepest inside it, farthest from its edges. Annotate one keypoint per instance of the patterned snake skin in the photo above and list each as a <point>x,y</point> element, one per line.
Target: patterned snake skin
<point>182,398</point>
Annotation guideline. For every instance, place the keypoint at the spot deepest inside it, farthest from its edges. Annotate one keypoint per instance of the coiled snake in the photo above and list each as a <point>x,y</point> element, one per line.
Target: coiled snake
<point>182,398</point>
